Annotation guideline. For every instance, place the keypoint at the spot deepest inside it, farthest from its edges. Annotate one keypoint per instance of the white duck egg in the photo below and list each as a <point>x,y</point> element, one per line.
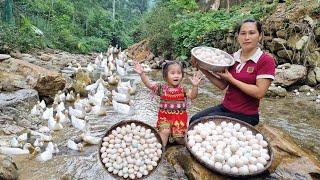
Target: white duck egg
<point>244,170</point>
<point>234,170</point>
<point>108,164</point>
<point>132,176</point>
<point>226,168</point>
<point>234,147</point>
<point>259,137</point>
<point>265,156</point>
<point>237,126</point>
<point>223,124</point>
<point>103,149</point>
<point>110,169</point>
<point>114,132</point>
<point>133,125</point>
<point>218,165</point>
<point>244,160</point>
<point>263,143</point>
<point>259,166</point>
<point>261,160</point>
<point>106,139</point>
<point>198,138</point>
<point>230,125</point>
<point>219,157</point>
<point>256,153</point>
<point>243,129</point>
<point>104,155</point>
<point>149,167</point>
<point>227,134</point>
<point>118,129</point>
<point>253,141</point>
<point>252,168</point>
<point>105,160</point>
<point>239,162</point>
<point>231,162</point>
<point>252,160</point>
<point>256,147</point>
<point>203,134</point>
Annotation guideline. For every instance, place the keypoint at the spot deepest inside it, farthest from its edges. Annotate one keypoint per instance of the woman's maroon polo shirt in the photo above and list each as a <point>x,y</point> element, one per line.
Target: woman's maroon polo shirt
<point>260,65</point>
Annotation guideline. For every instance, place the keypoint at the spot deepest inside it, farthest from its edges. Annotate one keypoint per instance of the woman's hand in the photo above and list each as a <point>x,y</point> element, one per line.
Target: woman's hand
<point>194,62</point>
<point>195,80</point>
<point>225,75</point>
<point>138,68</point>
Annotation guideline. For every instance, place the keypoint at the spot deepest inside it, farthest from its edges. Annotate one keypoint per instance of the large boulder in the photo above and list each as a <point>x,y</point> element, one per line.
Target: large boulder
<point>274,91</point>
<point>17,74</point>
<point>287,75</point>
<point>8,168</point>
<point>140,51</point>
<point>13,104</point>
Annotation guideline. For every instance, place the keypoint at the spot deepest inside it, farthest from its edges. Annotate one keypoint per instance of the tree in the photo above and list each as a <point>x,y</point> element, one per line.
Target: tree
<point>8,12</point>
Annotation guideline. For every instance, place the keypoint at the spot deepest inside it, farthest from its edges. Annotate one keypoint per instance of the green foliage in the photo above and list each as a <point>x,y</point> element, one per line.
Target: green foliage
<point>187,27</point>
<point>76,26</point>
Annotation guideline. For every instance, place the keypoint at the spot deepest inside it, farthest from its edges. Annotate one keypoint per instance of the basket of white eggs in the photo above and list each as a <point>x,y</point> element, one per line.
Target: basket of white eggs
<point>229,146</point>
<point>131,149</point>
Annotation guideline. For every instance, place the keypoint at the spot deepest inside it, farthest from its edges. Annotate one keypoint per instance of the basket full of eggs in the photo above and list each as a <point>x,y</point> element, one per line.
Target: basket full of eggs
<point>229,146</point>
<point>212,59</point>
<point>131,149</point>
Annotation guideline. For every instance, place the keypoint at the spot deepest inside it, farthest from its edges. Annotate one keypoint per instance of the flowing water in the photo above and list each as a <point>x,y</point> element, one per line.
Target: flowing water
<point>296,115</point>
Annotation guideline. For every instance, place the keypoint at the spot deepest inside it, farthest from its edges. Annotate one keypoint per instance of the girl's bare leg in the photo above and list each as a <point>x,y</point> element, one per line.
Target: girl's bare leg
<point>164,134</point>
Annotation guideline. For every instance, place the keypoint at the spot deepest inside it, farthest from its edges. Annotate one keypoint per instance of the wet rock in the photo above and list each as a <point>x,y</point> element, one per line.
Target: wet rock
<point>288,76</point>
<point>301,43</point>
<point>317,72</point>
<point>286,54</point>
<point>290,160</point>
<point>14,103</point>
<point>17,74</point>
<point>313,58</point>
<point>277,44</point>
<point>304,88</point>
<point>311,78</point>
<point>8,168</point>
<point>274,91</point>
<point>140,51</point>
<point>4,57</point>
<point>282,34</point>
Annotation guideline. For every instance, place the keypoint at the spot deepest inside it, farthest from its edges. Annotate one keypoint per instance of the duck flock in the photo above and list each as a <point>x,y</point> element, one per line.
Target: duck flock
<point>69,110</point>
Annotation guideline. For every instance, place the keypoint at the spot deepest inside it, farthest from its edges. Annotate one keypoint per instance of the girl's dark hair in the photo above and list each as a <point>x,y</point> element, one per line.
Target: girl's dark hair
<point>166,65</point>
<point>257,23</point>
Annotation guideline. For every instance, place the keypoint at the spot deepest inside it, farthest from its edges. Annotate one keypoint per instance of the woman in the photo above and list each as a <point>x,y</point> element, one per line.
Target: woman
<point>246,81</point>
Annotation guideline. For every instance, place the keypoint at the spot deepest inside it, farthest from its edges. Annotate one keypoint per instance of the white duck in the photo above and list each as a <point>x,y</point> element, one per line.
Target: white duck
<point>42,136</point>
<point>60,107</point>
<point>78,123</point>
<point>77,113</point>
<point>44,129</point>
<point>54,123</point>
<point>36,110</point>
<point>90,67</point>
<point>113,79</point>
<point>121,70</point>
<point>101,110</point>
<point>74,146</point>
<point>38,143</point>
<point>15,151</point>
<point>120,97</point>
<point>44,156</point>
<point>70,97</point>
<point>122,108</point>
<point>14,142</point>
<point>89,139</point>
<point>47,113</point>
<point>43,104</point>
<point>107,71</point>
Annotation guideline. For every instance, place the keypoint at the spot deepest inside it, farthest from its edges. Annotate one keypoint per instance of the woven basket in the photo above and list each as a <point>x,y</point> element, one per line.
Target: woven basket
<point>124,123</point>
<point>218,120</point>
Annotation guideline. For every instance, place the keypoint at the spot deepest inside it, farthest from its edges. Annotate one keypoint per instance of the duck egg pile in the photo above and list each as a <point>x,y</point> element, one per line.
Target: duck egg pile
<point>229,147</point>
<point>212,56</point>
<point>130,151</point>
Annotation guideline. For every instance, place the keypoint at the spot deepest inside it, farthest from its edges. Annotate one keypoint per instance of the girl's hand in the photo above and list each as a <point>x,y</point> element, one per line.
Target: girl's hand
<point>195,80</point>
<point>138,68</point>
<point>225,75</point>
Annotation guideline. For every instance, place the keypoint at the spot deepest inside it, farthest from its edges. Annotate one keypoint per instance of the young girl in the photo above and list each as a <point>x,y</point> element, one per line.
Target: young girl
<point>172,114</point>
